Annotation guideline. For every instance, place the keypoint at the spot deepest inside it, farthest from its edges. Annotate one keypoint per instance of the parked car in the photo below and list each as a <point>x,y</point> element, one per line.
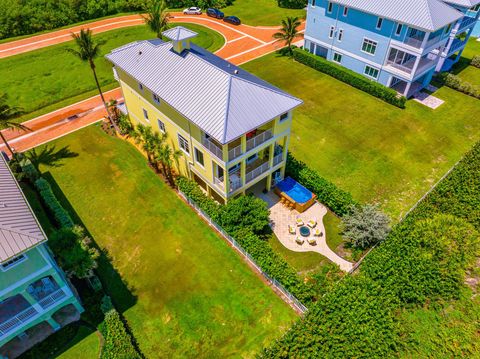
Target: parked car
<point>217,14</point>
<point>193,11</point>
<point>232,20</point>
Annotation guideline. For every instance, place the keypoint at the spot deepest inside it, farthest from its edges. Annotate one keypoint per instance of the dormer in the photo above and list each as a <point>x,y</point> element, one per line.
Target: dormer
<point>180,37</point>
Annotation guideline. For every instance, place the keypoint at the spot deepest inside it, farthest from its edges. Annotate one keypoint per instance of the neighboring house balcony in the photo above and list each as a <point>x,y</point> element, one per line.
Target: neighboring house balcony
<point>405,63</point>
<point>466,23</point>
<point>457,44</point>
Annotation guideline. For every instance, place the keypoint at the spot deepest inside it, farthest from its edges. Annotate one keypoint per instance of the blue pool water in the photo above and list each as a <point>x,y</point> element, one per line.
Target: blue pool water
<point>294,190</point>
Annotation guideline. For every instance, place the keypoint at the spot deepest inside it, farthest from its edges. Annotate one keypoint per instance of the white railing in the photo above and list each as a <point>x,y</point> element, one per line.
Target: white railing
<point>405,67</point>
<point>259,139</point>
<point>256,172</point>
<point>213,148</point>
<point>52,298</point>
<point>235,184</point>
<point>234,152</point>
<point>433,41</point>
<point>414,42</point>
<point>277,159</point>
<point>425,63</point>
<point>218,182</point>
<point>17,320</point>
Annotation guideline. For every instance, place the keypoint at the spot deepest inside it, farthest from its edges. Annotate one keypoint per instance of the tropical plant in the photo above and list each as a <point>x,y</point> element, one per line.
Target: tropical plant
<point>245,213</point>
<point>49,156</point>
<point>289,31</point>
<point>365,226</point>
<point>168,157</point>
<point>125,126</point>
<point>145,137</point>
<point>7,113</point>
<point>87,50</point>
<point>157,17</point>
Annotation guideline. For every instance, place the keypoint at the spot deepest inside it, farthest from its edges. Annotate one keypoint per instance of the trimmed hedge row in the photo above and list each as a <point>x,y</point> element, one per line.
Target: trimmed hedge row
<point>270,262</point>
<point>350,77</point>
<point>475,61</point>
<point>118,343</point>
<point>60,214</point>
<point>457,83</point>
<point>330,195</point>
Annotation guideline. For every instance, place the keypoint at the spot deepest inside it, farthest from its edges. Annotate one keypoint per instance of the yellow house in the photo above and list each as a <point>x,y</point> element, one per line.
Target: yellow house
<point>232,127</point>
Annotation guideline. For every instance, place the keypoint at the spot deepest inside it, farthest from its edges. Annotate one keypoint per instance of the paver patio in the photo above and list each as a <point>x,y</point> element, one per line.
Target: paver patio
<point>281,217</point>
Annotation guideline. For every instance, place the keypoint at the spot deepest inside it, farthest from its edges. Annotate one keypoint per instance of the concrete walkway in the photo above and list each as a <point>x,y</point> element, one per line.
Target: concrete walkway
<point>281,217</point>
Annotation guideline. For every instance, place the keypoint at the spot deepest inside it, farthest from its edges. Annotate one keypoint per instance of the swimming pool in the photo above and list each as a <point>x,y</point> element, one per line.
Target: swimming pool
<point>295,193</point>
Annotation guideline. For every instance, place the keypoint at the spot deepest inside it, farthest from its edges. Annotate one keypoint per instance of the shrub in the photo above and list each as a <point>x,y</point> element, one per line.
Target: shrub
<point>29,170</point>
<point>475,61</point>
<point>457,83</point>
<point>60,215</point>
<point>330,195</point>
<point>118,342</point>
<point>352,78</point>
<point>365,226</point>
<point>292,4</point>
<point>245,212</point>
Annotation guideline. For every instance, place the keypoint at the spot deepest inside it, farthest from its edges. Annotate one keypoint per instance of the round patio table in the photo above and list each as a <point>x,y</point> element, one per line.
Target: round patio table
<point>304,231</point>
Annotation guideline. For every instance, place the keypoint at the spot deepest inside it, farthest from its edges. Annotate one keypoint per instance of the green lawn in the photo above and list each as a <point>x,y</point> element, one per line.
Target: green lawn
<point>374,150</point>
<point>190,294</point>
<point>261,12</point>
<point>463,68</point>
<point>86,345</point>
<point>47,76</point>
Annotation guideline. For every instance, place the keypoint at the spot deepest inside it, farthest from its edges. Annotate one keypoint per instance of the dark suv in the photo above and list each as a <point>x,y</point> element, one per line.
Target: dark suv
<point>215,13</point>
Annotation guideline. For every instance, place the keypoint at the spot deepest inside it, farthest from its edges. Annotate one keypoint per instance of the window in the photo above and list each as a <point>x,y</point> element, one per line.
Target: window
<point>340,35</point>
<point>371,72</point>
<point>161,126</point>
<point>369,46</point>
<point>283,116</point>
<point>183,143</point>
<point>337,57</point>
<point>379,23</point>
<point>140,86</point>
<point>332,30</point>
<point>345,11</point>
<point>313,3</point>
<point>156,99</point>
<point>13,262</point>
<point>145,115</point>
<point>399,29</point>
<point>330,7</point>
<point>199,157</point>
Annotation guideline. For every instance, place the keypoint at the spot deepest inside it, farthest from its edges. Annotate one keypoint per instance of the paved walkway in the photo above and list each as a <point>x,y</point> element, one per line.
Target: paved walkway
<point>281,217</point>
<point>242,43</point>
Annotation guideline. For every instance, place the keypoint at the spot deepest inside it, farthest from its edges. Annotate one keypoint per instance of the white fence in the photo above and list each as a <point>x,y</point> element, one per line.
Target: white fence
<point>291,299</point>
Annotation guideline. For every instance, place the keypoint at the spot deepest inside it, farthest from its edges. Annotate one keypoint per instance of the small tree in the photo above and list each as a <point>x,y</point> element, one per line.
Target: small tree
<point>7,113</point>
<point>245,212</point>
<point>157,17</point>
<point>288,32</point>
<point>365,226</point>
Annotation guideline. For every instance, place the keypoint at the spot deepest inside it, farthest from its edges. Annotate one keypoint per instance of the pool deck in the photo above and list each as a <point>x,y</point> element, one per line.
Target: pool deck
<point>281,217</point>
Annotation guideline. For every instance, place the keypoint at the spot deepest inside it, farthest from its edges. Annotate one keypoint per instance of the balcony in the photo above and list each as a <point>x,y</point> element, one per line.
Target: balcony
<point>17,320</point>
<point>416,41</point>
<point>456,45</point>
<point>256,169</point>
<point>466,23</point>
<point>213,148</point>
<point>52,298</point>
<point>407,66</point>
<point>259,139</point>
<point>234,152</point>
<point>277,159</point>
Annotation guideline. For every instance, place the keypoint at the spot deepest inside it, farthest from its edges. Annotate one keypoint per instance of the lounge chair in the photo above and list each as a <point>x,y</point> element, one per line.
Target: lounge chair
<point>317,232</point>
<point>299,222</point>
<point>291,229</point>
<point>299,240</point>
<point>312,223</point>
<point>47,284</point>
<point>312,241</point>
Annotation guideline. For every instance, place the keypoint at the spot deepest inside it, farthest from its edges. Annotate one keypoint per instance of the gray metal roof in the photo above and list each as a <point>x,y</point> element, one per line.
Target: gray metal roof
<point>427,15</point>
<point>463,3</point>
<point>222,99</point>
<point>19,229</point>
<point>179,33</point>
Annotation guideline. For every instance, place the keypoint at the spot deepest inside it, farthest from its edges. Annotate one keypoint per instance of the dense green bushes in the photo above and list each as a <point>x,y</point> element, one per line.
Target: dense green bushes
<point>475,61</point>
<point>330,195</point>
<point>292,4</point>
<point>352,78</point>
<point>422,263</point>
<point>457,83</point>
<point>61,216</point>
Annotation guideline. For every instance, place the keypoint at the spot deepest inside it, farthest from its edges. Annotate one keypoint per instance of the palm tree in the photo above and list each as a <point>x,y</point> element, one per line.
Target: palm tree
<point>157,18</point>
<point>87,50</point>
<point>167,156</point>
<point>7,113</point>
<point>289,31</point>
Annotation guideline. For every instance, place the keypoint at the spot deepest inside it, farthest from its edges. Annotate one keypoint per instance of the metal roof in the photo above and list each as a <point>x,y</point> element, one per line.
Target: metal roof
<point>220,98</point>
<point>19,229</point>
<point>427,15</point>
<point>463,3</point>
<point>179,33</point>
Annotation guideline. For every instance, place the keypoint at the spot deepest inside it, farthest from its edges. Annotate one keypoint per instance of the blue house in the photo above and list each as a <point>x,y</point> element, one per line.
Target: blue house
<point>397,43</point>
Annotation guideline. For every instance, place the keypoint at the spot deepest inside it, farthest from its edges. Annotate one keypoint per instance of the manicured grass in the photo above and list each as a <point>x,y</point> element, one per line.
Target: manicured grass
<point>261,12</point>
<point>463,68</point>
<point>43,77</point>
<point>190,294</point>
<point>374,150</point>
<point>87,345</point>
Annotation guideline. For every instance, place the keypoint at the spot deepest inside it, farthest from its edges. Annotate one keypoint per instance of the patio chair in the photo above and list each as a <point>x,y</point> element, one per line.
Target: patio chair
<point>312,241</point>
<point>299,222</point>
<point>291,229</point>
<point>299,240</point>
<point>312,223</point>
<point>47,284</point>
<point>317,232</point>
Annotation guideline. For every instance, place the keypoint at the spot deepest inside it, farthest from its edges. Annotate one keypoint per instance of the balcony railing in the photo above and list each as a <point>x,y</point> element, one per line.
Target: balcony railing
<point>219,182</point>
<point>52,298</point>
<point>277,159</point>
<point>259,139</point>
<point>456,45</point>
<point>256,172</point>
<point>466,23</point>
<point>213,148</point>
<point>234,152</point>
<point>407,66</point>
<point>17,320</point>
<point>413,41</point>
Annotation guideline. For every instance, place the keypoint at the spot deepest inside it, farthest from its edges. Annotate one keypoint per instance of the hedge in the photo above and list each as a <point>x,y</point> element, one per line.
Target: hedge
<point>457,83</point>
<point>475,61</point>
<point>118,343</point>
<point>292,4</point>
<point>339,201</point>
<point>350,77</point>
<point>60,214</point>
